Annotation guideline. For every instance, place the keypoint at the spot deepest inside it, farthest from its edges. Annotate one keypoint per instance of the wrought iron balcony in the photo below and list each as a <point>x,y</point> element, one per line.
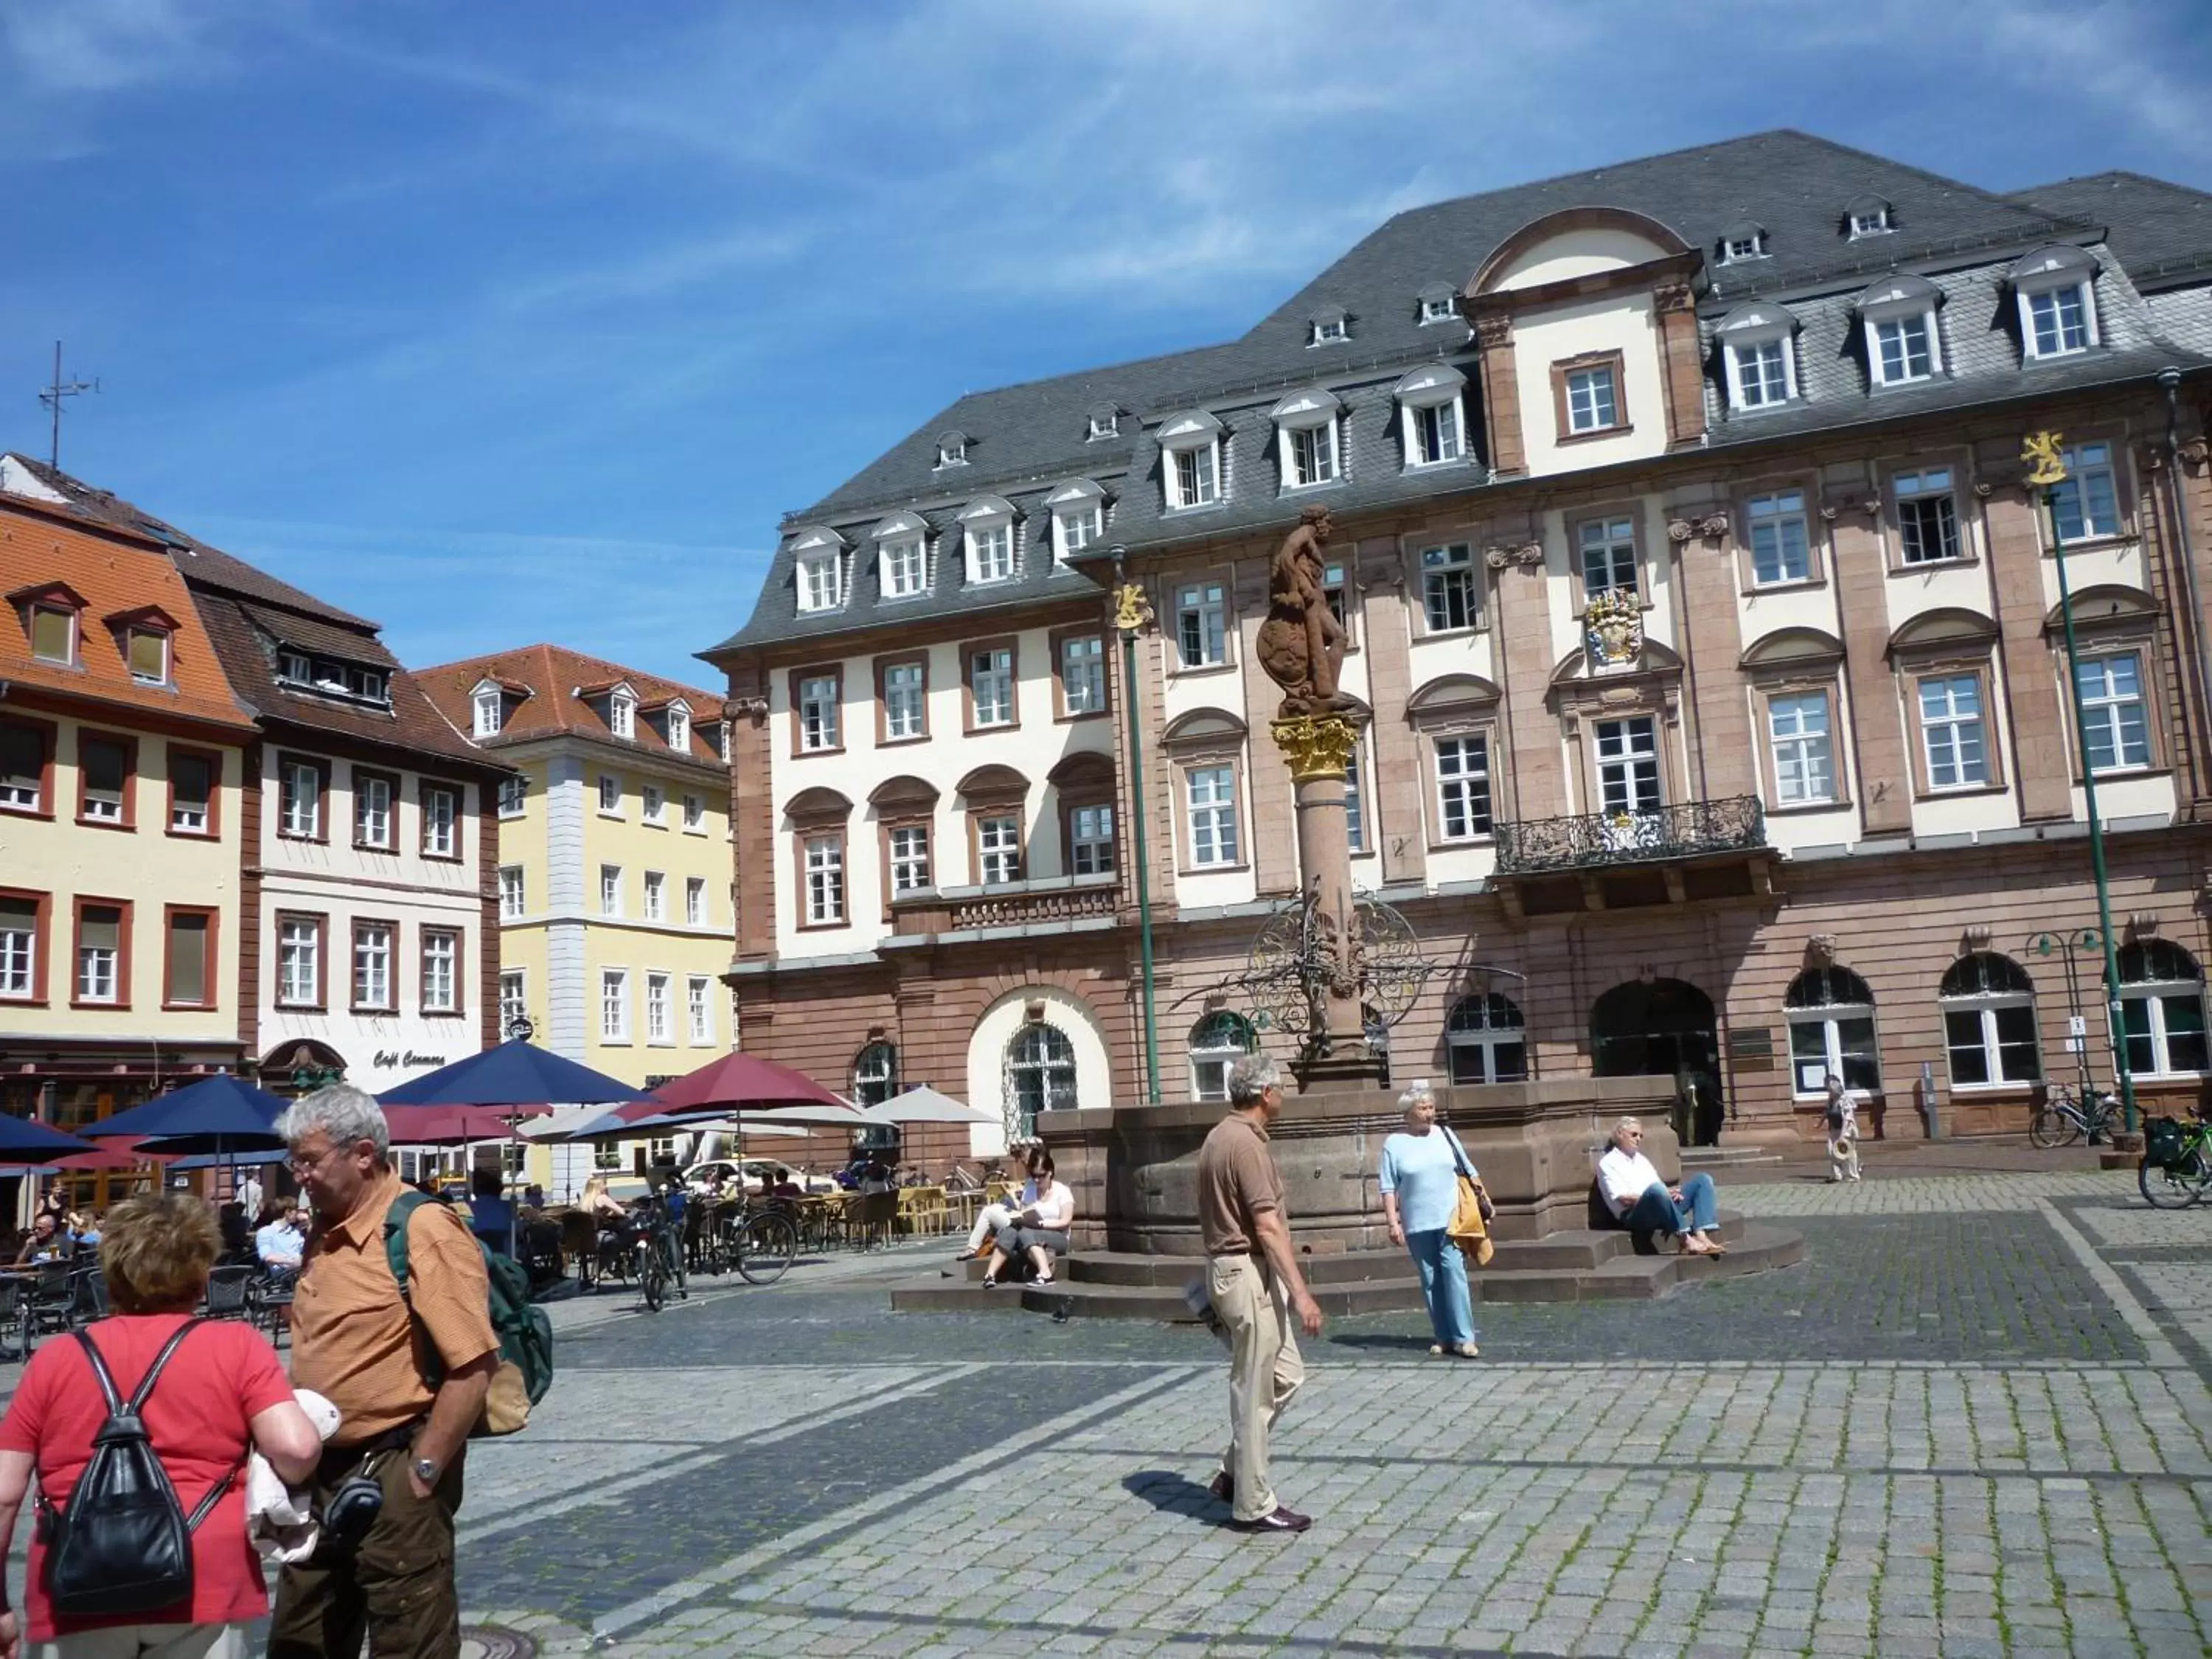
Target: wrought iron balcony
<point>1597,840</point>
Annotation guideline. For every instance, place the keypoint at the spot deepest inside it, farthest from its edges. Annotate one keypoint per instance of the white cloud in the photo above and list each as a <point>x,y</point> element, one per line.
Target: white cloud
<point>100,45</point>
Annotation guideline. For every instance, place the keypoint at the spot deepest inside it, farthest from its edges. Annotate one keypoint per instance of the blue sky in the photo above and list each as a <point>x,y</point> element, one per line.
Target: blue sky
<point>510,321</point>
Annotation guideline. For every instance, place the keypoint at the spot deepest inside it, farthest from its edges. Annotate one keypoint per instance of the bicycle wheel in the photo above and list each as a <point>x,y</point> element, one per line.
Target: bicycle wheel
<point>766,1250</point>
<point>652,1277</point>
<point>674,1249</point>
<point>2051,1126</point>
<point>2176,1188</point>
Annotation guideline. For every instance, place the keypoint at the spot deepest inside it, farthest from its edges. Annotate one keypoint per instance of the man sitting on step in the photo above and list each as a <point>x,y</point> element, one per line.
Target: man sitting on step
<point>1644,1203</point>
<point>1039,1231</point>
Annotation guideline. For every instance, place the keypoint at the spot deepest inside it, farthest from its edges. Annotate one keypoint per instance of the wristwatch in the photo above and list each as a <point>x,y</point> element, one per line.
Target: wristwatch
<point>426,1470</point>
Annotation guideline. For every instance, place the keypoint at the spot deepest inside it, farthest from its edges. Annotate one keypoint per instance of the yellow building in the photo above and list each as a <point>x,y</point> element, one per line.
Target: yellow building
<point>614,865</point>
<point>122,751</point>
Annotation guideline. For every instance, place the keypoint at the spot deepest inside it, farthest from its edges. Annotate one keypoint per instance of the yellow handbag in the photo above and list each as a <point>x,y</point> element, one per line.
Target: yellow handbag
<point>1469,1228</point>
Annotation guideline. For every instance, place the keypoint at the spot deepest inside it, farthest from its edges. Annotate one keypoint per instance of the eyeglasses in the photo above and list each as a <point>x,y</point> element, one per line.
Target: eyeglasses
<point>307,1166</point>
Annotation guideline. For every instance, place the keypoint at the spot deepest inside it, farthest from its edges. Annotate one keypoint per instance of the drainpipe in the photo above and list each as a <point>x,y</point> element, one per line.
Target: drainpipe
<point>2169,380</point>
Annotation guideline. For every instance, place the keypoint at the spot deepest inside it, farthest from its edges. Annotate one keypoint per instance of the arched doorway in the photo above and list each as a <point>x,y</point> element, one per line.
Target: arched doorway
<point>1661,1028</point>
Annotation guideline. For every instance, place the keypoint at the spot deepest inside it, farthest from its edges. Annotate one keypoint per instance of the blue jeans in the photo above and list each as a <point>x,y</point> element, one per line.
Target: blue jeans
<point>1444,1286</point>
<point>1656,1211</point>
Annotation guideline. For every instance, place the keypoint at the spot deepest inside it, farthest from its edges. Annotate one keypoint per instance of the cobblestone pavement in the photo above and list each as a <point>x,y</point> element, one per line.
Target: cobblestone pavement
<point>1974,1422</point>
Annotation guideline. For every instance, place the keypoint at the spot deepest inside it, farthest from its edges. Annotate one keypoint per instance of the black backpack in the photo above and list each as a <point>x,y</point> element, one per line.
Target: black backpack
<point>123,1545</point>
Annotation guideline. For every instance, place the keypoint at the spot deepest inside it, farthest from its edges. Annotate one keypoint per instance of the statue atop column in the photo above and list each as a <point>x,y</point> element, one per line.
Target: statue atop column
<point>1301,644</point>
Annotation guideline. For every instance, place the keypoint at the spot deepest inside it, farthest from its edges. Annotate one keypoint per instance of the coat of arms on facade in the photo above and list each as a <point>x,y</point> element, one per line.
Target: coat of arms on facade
<point>1613,627</point>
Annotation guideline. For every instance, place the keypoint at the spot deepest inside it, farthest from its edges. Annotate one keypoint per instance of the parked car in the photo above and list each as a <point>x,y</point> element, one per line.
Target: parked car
<point>755,1175</point>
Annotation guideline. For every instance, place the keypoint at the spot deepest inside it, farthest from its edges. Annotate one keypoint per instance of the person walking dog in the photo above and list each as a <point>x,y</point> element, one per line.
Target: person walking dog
<point>1252,1279</point>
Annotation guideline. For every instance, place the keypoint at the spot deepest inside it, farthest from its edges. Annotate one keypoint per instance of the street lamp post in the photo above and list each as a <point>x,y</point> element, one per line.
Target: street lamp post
<point>2046,471</point>
<point>1131,613</point>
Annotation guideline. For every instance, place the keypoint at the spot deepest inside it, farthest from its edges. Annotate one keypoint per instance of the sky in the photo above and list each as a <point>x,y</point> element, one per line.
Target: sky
<point>529,320</point>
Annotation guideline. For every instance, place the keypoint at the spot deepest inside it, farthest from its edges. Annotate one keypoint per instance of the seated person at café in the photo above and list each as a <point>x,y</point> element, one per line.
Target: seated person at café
<point>1039,1230</point>
<point>48,1241</point>
<point>786,1186</point>
<point>83,1231</point>
<point>237,1229</point>
<point>997,1214</point>
<point>282,1242</point>
<point>491,1215</point>
<point>1642,1202</point>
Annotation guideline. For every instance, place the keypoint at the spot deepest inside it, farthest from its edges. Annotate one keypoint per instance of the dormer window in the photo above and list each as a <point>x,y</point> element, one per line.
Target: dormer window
<point>1329,326</point>
<point>679,728</point>
<point>1903,344</point>
<point>50,617</point>
<point>297,667</point>
<point>490,709</point>
<point>722,740</point>
<point>986,531</point>
<point>902,556</point>
<point>952,449</point>
<point>818,570</point>
<point>147,650</point>
<point>1742,240</point>
<point>1311,450</point>
<point>2055,289</point>
<point>1079,517</point>
<point>1105,421</point>
<point>299,670</point>
<point>1190,460</point>
<point>622,712</point>
<point>1433,414</point>
<point>1436,303</point>
<point>1867,215</point>
<point>1759,348</point>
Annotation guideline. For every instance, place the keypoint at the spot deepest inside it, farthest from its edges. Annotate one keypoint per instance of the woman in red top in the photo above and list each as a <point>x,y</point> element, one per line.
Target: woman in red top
<point>222,1391</point>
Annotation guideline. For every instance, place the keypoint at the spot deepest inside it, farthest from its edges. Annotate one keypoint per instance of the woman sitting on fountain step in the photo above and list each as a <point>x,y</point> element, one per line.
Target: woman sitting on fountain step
<point>1646,1204</point>
<point>1419,1179</point>
<point>1039,1231</point>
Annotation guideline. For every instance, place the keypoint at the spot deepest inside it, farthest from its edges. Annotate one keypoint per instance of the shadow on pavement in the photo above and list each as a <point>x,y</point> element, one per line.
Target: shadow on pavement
<point>1174,1494</point>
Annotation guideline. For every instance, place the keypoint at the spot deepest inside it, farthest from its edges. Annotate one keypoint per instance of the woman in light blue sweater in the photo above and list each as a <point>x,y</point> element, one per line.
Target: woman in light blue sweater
<point>1419,1179</point>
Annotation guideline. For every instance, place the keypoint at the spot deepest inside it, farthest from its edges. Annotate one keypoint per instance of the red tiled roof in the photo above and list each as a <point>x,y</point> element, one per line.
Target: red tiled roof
<point>555,675</point>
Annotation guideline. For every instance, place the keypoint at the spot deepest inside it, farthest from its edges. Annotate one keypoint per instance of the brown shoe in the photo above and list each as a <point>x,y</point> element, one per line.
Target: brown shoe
<point>1281,1520</point>
<point>1223,1486</point>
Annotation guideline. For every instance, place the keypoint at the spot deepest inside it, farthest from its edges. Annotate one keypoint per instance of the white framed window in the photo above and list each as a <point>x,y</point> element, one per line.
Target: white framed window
<point>191,792</point>
<point>909,859</point>
<point>818,721</point>
<point>1434,430</point>
<point>1075,527</point>
<point>1901,347</point>
<point>489,709</point>
<point>679,730</point>
<point>1830,1015</point>
<point>54,634</point>
<point>1628,766</point>
<point>695,901</point>
<point>1762,373</point>
<point>513,998</point>
<point>2162,1009</point>
<point>699,1006</point>
<point>695,813</point>
<point>1608,547</point>
<point>1437,308</point>
<point>1103,423</point>
<point>2057,322</point>
<point>622,714</point>
<point>1951,732</point>
<point>106,765</point>
<point>611,877</point>
<point>372,965</point>
<point>1310,454</point>
<point>1927,516</point>
<point>1781,540</point>
<point>19,948</point>
<point>1193,474</point>
<point>656,896</point>
<point>513,793</point>
<point>1989,1022</point>
<point>999,848</point>
<point>610,795</point>
<point>1485,1041</point>
<point>614,1005</point>
<point>905,568</point>
<point>1451,598</point>
<point>1214,840</point>
<point>514,900</point>
<point>298,962</point>
<point>189,966</point>
<point>1462,787</point>
<point>652,803</point>
<point>1804,762</point>
<point>301,805</point>
<point>1872,221</point>
<point>296,667</point>
<point>990,549</point>
<point>1040,1072</point>
<point>1218,1042</point>
<point>440,809</point>
<point>1090,840</point>
<point>1592,400</point>
<point>441,961</point>
<point>1741,243</point>
<point>147,650</point>
<point>1202,624</point>
<point>991,686</point>
<point>826,880</point>
<point>659,1027</point>
<point>952,449</point>
<point>821,586</point>
<point>99,953</point>
<point>2113,718</point>
<point>23,769</point>
<point>1355,808</point>
<point>2087,505</point>
<point>1083,674</point>
<point>1328,330</point>
<point>904,714</point>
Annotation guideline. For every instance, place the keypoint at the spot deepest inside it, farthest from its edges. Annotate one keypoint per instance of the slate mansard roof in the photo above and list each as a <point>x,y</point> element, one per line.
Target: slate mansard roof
<point>1793,190</point>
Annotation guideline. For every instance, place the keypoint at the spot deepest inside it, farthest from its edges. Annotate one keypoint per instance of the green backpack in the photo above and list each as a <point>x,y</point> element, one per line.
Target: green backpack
<point>525,1334</point>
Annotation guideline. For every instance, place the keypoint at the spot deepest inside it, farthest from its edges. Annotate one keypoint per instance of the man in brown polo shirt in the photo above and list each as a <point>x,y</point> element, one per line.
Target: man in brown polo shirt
<point>1253,1279</point>
<point>355,1341</point>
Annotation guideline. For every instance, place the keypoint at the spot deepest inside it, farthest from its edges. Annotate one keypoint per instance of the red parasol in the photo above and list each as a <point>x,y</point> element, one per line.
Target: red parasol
<point>734,1082</point>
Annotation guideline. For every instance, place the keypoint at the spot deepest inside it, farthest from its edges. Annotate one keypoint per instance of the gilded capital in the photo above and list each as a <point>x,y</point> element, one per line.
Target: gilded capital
<point>1315,745</point>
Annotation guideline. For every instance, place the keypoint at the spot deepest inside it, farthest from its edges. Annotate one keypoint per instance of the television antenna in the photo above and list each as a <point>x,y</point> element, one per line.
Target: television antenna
<point>52,397</point>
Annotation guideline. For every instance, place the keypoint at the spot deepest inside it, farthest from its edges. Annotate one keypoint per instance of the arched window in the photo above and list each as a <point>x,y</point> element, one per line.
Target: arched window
<point>2162,1009</point>
<point>875,1074</point>
<point>1830,1014</point>
<point>1988,1021</point>
<point>1217,1042</point>
<point>1483,1041</point>
<point>1040,1075</point>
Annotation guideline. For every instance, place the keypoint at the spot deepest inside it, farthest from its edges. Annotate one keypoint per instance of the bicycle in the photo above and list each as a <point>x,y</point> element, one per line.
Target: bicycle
<point>658,1252</point>
<point>765,1243</point>
<point>2061,1119</point>
<point>2176,1170</point>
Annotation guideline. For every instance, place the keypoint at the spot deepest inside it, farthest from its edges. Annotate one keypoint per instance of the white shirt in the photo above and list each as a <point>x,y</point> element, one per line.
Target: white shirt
<point>249,1194</point>
<point>1055,1205</point>
<point>1845,1105</point>
<point>1623,1178</point>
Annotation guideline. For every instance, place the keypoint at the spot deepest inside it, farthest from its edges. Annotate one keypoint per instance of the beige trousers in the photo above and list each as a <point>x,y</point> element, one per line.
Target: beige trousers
<point>1844,1158</point>
<point>1264,1370</point>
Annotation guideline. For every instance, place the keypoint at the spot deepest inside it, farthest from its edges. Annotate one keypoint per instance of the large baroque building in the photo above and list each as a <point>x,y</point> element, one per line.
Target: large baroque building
<point>1721,723</point>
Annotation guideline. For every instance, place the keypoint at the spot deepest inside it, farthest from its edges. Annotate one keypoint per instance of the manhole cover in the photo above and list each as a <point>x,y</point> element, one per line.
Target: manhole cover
<point>496,1642</point>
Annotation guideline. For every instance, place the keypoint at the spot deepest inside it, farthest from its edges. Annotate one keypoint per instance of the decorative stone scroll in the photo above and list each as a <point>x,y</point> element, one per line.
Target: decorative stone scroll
<point>1528,555</point>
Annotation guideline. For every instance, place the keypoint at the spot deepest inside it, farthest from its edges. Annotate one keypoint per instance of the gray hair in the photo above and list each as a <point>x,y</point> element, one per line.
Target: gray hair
<point>1252,1077</point>
<point>1415,1094</point>
<point>340,1110</point>
<point>1621,1129</point>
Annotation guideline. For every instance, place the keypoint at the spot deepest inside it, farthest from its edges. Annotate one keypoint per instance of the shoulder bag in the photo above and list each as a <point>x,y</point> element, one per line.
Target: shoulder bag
<point>1469,1227</point>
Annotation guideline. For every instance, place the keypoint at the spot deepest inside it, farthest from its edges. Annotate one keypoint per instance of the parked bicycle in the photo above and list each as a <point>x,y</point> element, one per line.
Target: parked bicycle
<point>656,1253</point>
<point>2064,1117</point>
<point>2176,1170</point>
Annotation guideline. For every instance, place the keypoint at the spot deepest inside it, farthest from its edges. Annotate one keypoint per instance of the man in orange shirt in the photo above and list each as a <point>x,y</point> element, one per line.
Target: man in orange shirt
<point>408,1374</point>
